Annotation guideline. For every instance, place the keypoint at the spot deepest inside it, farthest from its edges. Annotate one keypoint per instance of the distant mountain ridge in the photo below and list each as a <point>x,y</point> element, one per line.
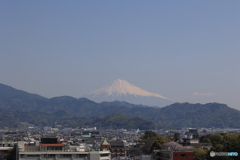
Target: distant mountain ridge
<point>177,114</point>
<point>122,90</point>
<point>21,119</point>
<point>10,92</point>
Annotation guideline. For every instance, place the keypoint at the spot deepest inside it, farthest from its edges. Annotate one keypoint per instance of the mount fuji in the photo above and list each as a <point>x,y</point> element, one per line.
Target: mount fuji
<point>121,90</point>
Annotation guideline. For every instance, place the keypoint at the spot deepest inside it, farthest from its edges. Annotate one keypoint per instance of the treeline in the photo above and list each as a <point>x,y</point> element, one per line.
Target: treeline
<point>20,119</point>
<point>224,142</point>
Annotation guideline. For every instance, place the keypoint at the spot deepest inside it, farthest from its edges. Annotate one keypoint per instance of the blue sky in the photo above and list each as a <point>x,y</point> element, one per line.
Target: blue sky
<point>187,51</point>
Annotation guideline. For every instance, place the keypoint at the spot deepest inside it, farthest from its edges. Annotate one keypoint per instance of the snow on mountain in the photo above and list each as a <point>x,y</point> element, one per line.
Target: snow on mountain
<point>122,90</point>
<point>121,87</point>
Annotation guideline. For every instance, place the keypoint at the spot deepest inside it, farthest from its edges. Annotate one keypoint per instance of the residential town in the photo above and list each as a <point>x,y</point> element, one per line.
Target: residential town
<point>53,143</point>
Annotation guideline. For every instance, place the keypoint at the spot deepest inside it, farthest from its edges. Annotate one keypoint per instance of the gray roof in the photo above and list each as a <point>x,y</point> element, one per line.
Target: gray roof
<point>116,143</point>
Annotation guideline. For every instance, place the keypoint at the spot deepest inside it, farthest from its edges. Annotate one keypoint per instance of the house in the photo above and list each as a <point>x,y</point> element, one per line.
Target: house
<point>117,148</point>
<point>183,155</point>
<point>174,155</point>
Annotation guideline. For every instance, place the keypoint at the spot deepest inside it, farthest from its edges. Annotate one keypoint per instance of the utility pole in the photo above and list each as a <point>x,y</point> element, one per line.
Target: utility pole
<point>16,148</point>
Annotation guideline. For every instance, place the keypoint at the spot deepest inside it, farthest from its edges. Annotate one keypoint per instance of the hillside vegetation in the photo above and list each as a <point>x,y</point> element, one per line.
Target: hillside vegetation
<point>36,109</point>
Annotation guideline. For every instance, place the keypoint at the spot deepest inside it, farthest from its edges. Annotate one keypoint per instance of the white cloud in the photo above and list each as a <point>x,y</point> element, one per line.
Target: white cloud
<point>203,94</point>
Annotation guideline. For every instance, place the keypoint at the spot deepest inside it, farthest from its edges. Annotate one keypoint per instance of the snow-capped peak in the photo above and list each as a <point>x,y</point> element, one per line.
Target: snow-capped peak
<point>121,87</point>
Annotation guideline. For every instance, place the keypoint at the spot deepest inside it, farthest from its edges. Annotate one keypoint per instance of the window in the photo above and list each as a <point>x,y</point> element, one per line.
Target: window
<point>33,155</point>
<point>183,155</point>
<point>65,155</point>
<point>81,155</point>
<point>49,155</point>
<point>104,155</point>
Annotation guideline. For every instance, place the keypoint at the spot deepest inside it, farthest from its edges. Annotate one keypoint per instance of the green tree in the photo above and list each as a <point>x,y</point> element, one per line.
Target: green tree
<point>216,139</point>
<point>170,137</point>
<point>158,143</point>
<point>146,149</point>
<point>148,134</point>
<point>176,137</point>
<point>195,135</point>
<point>222,143</point>
<point>231,142</point>
<point>205,140</point>
<point>148,139</point>
<point>200,154</point>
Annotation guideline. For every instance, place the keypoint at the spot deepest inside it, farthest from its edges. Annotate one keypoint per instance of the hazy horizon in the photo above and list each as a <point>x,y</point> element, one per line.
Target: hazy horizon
<point>186,51</point>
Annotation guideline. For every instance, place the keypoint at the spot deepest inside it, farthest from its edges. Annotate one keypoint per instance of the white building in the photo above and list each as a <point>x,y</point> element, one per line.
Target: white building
<point>54,152</point>
<point>92,155</point>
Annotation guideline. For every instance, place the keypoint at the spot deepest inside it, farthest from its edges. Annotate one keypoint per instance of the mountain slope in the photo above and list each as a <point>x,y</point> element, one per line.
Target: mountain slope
<point>122,90</point>
<point>14,98</point>
<point>200,115</point>
<point>178,114</point>
<point>120,87</point>
<point>19,119</point>
<point>118,120</point>
<point>10,92</point>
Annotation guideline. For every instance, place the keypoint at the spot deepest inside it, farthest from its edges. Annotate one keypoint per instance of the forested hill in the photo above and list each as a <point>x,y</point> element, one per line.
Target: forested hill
<point>178,114</point>
<point>19,119</point>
